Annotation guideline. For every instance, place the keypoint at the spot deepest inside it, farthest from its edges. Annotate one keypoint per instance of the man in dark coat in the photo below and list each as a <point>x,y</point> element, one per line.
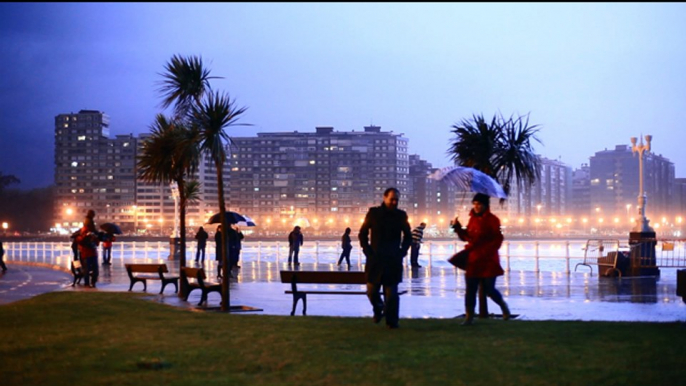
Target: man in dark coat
<point>201,236</point>
<point>391,238</point>
<point>295,241</point>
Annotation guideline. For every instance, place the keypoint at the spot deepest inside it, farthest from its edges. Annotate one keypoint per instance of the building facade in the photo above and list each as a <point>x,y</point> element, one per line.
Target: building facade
<point>96,171</point>
<point>324,176</point>
<point>614,183</point>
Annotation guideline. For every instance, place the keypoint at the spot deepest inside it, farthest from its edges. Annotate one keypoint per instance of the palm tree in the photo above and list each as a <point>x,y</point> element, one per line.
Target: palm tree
<point>193,191</point>
<point>169,155</point>
<point>501,149</point>
<point>215,113</point>
<point>185,82</point>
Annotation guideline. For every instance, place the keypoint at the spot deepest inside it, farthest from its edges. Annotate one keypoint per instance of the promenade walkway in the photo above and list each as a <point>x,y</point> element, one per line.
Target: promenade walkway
<point>436,292</point>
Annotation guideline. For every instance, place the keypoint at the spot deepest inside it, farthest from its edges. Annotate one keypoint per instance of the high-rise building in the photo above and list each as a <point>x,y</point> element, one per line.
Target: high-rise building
<point>95,171</point>
<point>581,191</point>
<point>614,179</point>
<point>548,196</point>
<point>431,201</point>
<point>317,175</point>
<point>92,171</point>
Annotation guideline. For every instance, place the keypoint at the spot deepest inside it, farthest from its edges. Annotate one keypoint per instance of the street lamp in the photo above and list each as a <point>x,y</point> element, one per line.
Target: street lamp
<point>642,221</point>
<point>5,225</point>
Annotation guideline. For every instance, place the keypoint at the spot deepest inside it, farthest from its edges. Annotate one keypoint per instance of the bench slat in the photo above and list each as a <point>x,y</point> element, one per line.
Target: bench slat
<point>324,277</point>
<point>147,268</point>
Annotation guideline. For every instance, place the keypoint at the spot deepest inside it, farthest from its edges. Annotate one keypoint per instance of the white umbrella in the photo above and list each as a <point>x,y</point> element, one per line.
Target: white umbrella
<point>469,179</point>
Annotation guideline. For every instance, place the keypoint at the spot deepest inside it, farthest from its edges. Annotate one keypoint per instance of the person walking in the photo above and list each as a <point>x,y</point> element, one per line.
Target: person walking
<point>417,235</point>
<point>295,241</point>
<point>201,236</point>
<point>107,248</point>
<point>484,238</point>
<point>2,257</point>
<point>390,240</point>
<point>347,246</point>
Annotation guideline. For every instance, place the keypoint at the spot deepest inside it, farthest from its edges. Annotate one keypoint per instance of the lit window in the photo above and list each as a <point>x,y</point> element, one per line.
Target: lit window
<point>74,164</point>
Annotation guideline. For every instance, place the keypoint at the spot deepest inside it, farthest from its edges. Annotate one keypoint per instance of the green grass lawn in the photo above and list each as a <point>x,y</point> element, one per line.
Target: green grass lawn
<point>101,338</point>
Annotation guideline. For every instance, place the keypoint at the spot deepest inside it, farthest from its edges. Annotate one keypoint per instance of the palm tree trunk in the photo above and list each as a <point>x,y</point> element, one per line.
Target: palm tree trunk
<point>225,265</point>
<point>183,203</point>
<point>182,226</point>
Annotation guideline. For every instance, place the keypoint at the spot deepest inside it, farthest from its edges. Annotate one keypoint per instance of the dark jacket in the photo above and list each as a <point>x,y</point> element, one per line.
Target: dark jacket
<point>295,240</point>
<point>234,239</point>
<point>218,245</point>
<point>391,238</point>
<point>484,238</point>
<point>201,236</point>
<point>346,242</point>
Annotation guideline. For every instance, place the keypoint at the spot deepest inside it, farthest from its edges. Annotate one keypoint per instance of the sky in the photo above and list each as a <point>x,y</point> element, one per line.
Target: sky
<point>590,75</point>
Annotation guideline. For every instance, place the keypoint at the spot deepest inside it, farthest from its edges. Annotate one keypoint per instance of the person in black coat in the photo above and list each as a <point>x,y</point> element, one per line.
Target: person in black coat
<point>201,236</point>
<point>295,241</point>
<point>390,241</point>
<point>347,246</point>
<point>234,236</point>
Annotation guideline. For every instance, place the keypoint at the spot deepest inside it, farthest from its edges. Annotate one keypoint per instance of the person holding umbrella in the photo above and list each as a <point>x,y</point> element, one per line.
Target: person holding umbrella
<point>483,237</point>
<point>107,241</point>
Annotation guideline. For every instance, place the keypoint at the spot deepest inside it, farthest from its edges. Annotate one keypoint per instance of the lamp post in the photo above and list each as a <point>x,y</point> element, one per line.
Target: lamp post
<point>642,221</point>
<point>642,237</point>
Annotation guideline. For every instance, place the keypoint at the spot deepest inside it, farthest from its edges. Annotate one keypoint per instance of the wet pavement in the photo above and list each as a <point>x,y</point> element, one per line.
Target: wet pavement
<point>436,292</point>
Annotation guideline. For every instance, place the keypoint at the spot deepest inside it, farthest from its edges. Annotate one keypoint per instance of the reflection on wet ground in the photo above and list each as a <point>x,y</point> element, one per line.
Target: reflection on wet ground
<point>437,292</point>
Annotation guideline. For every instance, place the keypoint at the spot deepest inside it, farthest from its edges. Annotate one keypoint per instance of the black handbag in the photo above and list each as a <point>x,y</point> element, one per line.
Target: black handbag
<point>459,259</point>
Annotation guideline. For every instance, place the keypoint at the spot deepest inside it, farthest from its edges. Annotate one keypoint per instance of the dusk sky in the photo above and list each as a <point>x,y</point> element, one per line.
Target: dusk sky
<point>592,75</point>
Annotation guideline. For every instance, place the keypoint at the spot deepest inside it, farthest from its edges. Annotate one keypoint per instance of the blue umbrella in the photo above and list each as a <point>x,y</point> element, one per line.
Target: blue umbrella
<point>470,180</point>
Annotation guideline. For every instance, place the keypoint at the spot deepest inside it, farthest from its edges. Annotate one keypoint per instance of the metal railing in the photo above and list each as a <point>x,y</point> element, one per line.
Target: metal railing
<point>555,256</point>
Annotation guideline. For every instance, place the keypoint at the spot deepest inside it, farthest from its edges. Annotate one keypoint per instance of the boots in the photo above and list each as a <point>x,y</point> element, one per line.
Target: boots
<point>505,309</point>
<point>468,318</point>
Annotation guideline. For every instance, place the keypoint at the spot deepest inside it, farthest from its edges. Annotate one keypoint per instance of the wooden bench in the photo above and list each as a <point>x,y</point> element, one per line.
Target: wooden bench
<point>158,269</point>
<point>322,277</point>
<point>197,275</point>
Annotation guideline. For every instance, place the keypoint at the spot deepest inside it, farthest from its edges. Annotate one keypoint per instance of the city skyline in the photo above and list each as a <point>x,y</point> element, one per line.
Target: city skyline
<point>591,75</point>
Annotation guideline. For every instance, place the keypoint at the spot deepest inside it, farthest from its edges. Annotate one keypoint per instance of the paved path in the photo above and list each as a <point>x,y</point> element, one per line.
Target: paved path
<point>25,281</point>
<point>432,293</point>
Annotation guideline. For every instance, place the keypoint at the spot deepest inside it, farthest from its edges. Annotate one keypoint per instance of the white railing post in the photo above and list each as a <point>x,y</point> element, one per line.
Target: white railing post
<point>316,252</point>
<point>536,269</point>
<point>567,257</point>
<point>428,244</point>
<point>507,255</point>
<point>259,251</point>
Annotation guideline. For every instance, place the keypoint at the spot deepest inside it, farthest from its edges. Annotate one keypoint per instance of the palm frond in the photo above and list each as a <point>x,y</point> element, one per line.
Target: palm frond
<point>186,79</point>
<point>215,113</point>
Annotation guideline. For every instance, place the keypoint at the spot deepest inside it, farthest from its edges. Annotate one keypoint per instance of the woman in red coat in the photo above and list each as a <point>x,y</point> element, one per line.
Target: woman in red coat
<point>483,237</point>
